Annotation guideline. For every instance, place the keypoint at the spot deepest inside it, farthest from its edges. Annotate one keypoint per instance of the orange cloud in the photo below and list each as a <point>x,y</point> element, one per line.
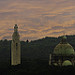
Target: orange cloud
<point>37,18</point>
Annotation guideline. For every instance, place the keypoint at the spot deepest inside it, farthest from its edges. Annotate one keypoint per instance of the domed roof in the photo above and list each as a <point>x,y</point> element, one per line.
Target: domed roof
<point>64,48</point>
<point>67,63</point>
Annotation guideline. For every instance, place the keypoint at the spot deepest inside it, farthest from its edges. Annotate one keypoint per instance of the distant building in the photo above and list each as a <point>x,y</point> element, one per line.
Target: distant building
<point>15,47</point>
<point>63,54</point>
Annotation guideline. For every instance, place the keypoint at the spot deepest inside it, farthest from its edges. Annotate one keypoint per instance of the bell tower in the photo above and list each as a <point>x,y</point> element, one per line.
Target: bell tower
<point>15,47</point>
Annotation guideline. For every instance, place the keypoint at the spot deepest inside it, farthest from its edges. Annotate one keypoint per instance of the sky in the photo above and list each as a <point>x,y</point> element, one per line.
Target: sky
<point>37,18</point>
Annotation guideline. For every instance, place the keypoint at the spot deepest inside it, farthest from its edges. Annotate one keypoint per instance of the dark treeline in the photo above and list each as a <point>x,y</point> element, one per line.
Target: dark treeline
<point>35,57</point>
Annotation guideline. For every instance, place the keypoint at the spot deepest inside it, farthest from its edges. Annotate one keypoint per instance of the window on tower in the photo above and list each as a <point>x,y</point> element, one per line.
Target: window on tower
<point>16,44</point>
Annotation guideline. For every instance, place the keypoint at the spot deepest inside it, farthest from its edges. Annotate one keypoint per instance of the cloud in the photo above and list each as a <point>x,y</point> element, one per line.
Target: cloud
<point>38,18</point>
<point>57,27</point>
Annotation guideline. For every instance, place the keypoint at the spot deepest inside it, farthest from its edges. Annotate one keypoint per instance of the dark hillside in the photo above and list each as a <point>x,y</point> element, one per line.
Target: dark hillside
<point>37,49</point>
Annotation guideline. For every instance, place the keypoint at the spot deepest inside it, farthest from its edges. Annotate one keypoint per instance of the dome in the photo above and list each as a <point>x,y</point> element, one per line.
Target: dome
<point>67,63</point>
<point>64,48</point>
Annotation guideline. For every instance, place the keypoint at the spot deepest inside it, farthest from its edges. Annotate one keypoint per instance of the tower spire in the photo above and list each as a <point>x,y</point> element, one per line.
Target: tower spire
<point>15,28</point>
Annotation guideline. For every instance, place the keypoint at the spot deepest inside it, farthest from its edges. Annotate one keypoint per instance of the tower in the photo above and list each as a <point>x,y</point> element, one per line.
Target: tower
<point>15,47</point>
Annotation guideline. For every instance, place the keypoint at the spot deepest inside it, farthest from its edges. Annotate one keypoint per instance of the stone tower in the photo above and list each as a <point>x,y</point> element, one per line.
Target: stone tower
<point>15,47</point>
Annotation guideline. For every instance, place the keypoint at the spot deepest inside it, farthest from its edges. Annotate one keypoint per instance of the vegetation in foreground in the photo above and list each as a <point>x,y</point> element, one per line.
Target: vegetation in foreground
<point>35,67</point>
<point>35,57</point>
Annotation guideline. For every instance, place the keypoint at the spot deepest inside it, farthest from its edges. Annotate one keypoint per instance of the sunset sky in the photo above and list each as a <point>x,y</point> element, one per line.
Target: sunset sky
<point>37,18</point>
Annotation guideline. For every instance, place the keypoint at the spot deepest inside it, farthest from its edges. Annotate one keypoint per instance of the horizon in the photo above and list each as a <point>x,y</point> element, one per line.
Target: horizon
<point>38,38</point>
<point>37,18</point>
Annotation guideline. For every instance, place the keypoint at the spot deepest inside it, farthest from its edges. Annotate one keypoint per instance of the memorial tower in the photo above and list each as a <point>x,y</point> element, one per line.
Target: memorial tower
<point>15,47</point>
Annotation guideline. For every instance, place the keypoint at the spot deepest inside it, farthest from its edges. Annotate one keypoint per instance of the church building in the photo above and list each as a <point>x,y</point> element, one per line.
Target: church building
<point>63,54</point>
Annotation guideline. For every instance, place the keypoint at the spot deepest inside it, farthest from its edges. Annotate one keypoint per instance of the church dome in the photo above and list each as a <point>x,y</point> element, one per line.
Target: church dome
<point>64,48</point>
